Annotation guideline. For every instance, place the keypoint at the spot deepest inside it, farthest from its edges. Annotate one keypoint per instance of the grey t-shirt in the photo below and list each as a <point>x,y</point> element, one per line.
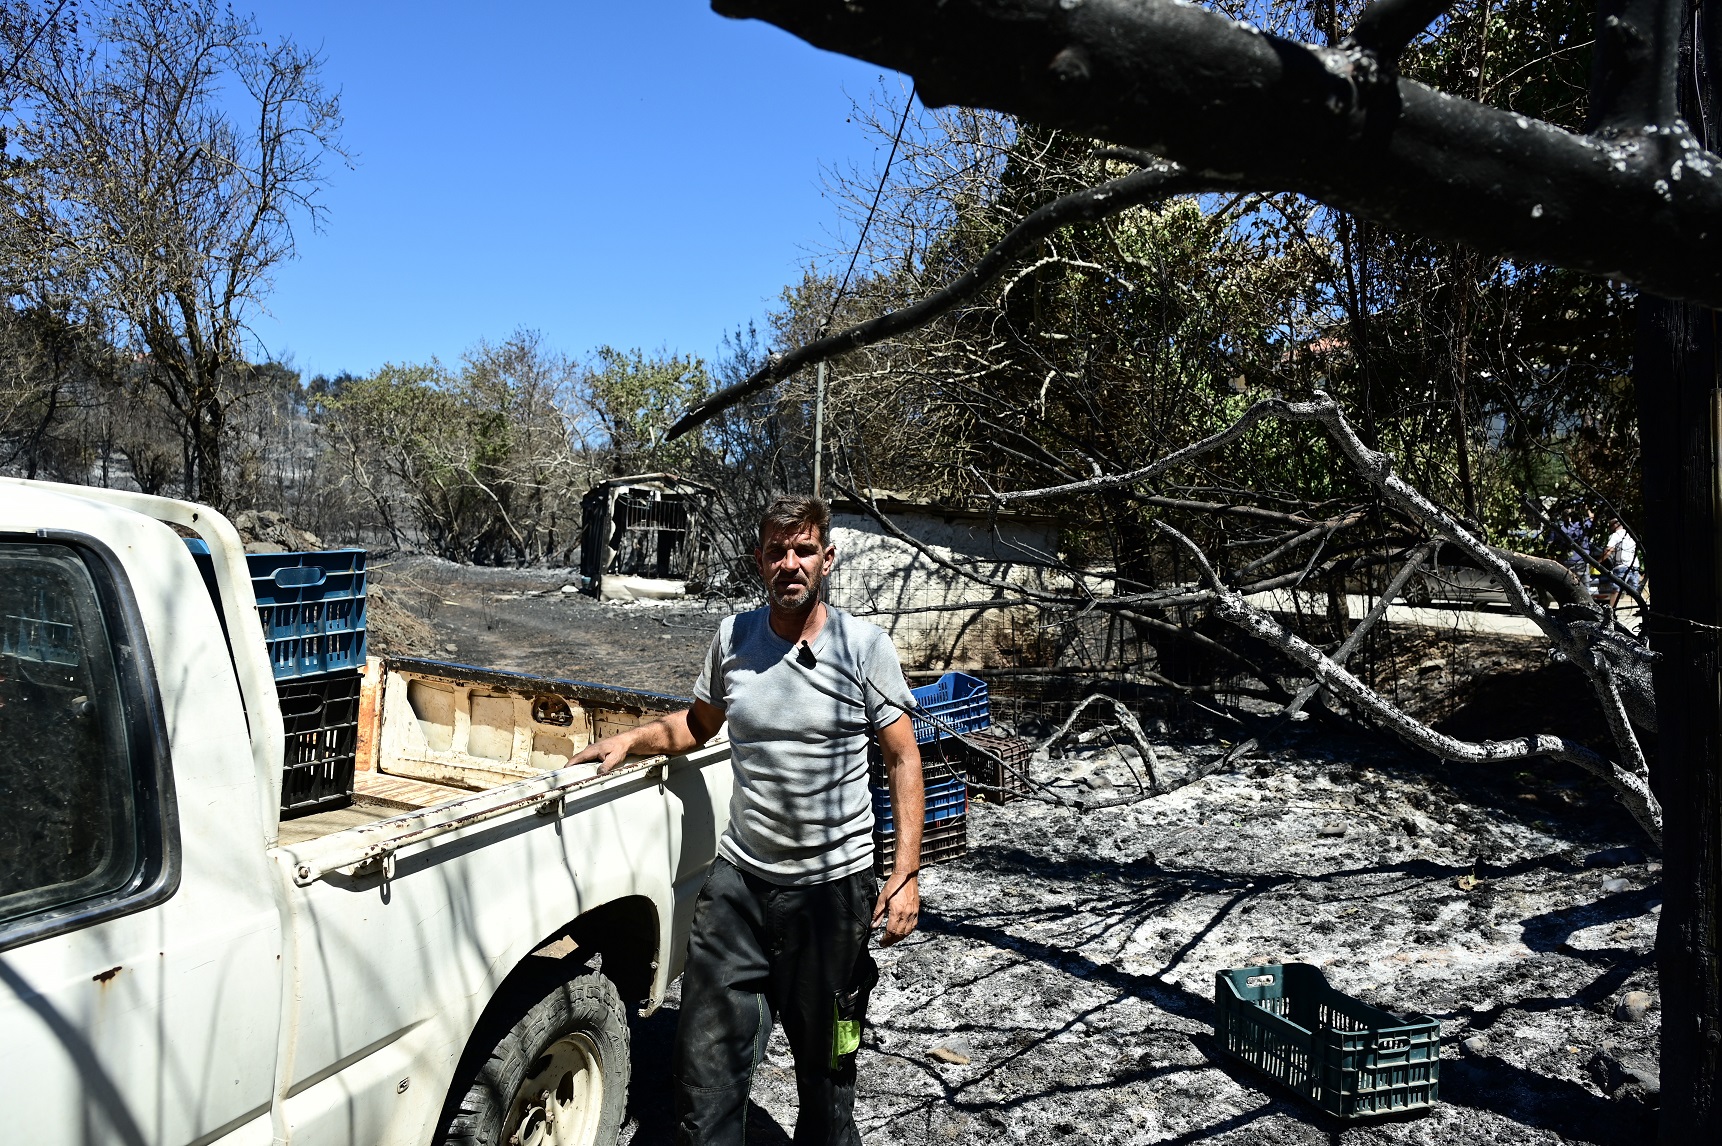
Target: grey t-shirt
<point>800,812</point>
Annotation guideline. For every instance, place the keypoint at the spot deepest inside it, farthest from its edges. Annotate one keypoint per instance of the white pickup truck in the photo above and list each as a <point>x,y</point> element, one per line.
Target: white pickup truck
<point>178,966</point>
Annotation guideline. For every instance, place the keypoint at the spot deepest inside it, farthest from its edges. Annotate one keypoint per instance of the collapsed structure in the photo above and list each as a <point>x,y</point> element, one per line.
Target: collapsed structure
<point>642,536</point>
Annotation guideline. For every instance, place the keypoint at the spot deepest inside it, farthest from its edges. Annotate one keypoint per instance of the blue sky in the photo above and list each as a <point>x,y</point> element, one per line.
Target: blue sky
<point>642,173</point>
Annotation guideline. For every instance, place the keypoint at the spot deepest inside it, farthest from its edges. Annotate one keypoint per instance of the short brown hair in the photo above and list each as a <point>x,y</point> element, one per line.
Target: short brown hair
<point>792,512</point>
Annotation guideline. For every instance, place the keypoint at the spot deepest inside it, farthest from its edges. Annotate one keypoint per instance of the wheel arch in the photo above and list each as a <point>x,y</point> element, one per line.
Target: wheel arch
<point>624,935</point>
<point>619,939</point>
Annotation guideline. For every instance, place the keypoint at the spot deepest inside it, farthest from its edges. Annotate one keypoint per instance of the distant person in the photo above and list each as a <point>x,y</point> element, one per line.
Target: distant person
<point>1577,532</point>
<point>1620,559</point>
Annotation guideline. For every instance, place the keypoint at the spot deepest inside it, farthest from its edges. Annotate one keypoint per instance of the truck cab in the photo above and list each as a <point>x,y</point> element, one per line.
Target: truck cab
<point>176,971</point>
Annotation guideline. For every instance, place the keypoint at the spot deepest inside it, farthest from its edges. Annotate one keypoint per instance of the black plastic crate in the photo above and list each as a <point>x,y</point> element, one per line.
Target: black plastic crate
<point>940,760</point>
<point>1349,1058</point>
<point>320,715</point>
<point>948,840</point>
<point>991,780</point>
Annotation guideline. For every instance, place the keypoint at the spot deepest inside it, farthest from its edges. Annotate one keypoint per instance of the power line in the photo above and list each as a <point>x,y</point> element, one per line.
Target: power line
<point>867,225</point>
<point>831,313</point>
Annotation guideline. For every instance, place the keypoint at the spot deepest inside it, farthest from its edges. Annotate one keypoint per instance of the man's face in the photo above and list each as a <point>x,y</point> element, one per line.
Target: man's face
<point>792,563</point>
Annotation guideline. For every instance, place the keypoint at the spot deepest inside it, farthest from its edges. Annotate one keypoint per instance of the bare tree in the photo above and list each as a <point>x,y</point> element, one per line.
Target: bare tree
<point>159,154</point>
<point>51,379</point>
<point>485,464</point>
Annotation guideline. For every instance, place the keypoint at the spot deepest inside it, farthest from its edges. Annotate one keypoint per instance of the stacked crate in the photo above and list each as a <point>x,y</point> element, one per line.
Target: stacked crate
<point>956,703</point>
<point>996,765</point>
<point>312,607</point>
<point>320,715</point>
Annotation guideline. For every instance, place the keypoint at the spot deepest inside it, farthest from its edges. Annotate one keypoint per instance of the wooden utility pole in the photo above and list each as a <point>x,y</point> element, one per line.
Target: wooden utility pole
<point>819,427</point>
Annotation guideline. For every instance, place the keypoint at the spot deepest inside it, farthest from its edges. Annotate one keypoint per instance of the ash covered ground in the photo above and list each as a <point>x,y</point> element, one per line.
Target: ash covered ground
<point>1070,956</point>
<point>520,620</point>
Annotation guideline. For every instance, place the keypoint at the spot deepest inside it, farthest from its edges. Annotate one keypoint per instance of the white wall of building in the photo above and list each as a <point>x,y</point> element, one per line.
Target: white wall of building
<point>926,607</point>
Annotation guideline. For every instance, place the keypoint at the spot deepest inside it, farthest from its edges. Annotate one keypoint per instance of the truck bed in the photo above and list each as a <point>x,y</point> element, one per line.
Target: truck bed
<point>360,811</point>
<point>432,732</point>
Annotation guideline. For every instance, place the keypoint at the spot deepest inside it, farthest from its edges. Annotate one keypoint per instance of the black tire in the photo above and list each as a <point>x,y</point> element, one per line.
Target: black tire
<point>575,1022</point>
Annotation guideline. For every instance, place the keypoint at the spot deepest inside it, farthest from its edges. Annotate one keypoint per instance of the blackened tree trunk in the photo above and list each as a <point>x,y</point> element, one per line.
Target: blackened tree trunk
<point>1679,405</point>
<point>1675,369</point>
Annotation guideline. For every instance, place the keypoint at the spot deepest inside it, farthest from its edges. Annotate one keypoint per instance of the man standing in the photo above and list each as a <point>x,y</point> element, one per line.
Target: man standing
<point>780,928</point>
<point>1576,533</point>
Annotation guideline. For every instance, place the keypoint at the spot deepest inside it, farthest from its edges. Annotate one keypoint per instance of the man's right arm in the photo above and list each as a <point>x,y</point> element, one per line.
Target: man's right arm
<point>667,736</point>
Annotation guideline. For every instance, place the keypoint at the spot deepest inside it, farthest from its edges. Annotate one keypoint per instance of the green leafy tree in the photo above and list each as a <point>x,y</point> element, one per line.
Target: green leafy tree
<point>633,398</point>
<point>482,464</point>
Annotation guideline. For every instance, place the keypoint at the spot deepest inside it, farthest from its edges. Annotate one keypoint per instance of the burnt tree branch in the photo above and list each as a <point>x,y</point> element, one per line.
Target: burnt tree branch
<point>1616,666</point>
<point>1631,787</point>
<point>1641,202</point>
<point>1293,709</point>
<point>1148,185</point>
<point>1636,78</point>
<point>1387,27</point>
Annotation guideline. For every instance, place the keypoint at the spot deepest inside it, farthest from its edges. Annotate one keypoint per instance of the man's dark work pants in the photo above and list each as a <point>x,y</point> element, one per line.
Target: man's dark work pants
<point>757,951</point>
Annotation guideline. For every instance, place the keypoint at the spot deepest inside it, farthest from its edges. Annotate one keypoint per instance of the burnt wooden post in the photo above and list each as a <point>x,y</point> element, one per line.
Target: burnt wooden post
<point>1679,407</point>
<point>1675,370</point>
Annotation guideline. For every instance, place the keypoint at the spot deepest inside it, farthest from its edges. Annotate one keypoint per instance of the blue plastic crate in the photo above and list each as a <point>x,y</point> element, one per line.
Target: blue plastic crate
<point>958,700</point>
<point>312,607</point>
<point>309,594</point>
<point>294,657</point>
<point>285,578</point>
<point>946,800</point>
<point>312,618</point>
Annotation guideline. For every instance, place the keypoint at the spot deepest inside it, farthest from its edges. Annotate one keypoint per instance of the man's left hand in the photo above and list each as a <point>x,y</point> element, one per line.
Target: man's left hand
<point>899,907</point>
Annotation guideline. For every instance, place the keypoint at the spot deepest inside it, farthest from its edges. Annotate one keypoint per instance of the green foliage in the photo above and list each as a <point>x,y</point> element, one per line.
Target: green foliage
<point>1117,342</point>
<point>634,398</point>
<point>482,462</point>
<point>1114,343</point>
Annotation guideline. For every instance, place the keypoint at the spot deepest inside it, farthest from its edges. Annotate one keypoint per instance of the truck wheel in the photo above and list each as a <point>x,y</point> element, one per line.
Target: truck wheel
<point>559,1077</point>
